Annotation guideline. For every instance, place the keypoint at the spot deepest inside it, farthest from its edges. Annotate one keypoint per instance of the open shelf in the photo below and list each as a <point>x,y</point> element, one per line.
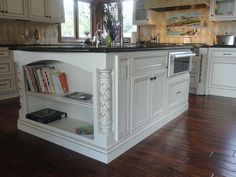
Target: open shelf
<point>61,98</point>
<point>70,125</point>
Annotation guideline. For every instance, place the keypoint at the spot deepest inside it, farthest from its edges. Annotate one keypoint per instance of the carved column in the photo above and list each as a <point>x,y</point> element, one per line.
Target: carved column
<point>105,100</point>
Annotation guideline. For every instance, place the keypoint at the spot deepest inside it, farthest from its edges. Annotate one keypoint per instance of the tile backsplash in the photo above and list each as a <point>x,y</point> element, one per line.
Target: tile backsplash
<point>207,33</point>
<point>23,32</point>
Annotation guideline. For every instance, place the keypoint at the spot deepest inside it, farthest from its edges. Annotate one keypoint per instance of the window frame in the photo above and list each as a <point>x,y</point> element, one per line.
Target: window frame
<point>94,22</point>
<point>76,25</point>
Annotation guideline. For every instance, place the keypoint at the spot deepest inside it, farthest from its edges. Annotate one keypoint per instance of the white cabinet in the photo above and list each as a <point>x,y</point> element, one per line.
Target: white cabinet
<point>13,9</point>
<point>8,87</point>
<point>140,100</point>
<point>148,80</point>
<point>221,10</point>
<point>157,94</point>
<point>141,15</point>
<point>178,88</point>
<point>46,10</point>
<point>221,72</point>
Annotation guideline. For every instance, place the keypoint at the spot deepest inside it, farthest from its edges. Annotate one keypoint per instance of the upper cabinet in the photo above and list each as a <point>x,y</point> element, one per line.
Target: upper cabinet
<point>141,16</point>
<point>221,10</point>
<point>35,10</point>
<point>46,10</point>
<point>13,9</point>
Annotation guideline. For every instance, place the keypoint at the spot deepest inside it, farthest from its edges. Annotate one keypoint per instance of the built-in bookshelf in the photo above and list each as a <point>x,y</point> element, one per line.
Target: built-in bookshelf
<point>41,80</point>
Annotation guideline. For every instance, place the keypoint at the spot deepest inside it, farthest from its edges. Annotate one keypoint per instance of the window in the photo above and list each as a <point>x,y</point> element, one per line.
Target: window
<point>78,20</point>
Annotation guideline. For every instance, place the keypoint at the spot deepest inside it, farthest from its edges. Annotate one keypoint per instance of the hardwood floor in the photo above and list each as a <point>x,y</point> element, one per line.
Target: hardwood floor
<point>199,143</point>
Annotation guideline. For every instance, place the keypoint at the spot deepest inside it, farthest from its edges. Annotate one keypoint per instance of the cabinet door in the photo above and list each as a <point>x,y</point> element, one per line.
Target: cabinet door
<point>223,10</point>
<point>177,91</point>
<point>56,10</point>
<point>37,9</point>
<point>141,16</point>
<point>157,94</point>
<point>140,100</point>
<point>14,8</point>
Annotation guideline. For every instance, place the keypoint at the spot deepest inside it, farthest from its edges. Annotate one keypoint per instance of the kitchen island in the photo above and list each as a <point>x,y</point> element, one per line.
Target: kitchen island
<point>132,96</point>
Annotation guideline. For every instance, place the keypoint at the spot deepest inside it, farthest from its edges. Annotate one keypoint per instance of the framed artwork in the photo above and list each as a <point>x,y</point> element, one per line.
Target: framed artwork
<point>188,24</point>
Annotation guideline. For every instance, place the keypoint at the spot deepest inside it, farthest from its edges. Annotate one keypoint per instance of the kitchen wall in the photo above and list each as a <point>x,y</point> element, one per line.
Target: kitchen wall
<point>207,34</point>
<point>23,32</point>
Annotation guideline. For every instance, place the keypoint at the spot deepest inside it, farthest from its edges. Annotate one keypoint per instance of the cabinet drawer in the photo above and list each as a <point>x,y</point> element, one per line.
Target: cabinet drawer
<point>144,63</point>
<point>7,85</point>
<point>224,54</point>
<point>5,67</point>
<point>4,54</point>
<point>177,92</point>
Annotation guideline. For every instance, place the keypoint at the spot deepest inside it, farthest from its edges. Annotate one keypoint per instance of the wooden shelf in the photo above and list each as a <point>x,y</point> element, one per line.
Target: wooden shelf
<point>61,98</point>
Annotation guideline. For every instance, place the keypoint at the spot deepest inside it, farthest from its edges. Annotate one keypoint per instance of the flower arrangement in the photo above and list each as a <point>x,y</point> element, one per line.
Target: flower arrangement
<point>107,11</point>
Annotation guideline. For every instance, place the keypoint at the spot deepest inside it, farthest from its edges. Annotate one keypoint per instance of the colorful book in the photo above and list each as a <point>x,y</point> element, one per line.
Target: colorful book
<point>63,81</point>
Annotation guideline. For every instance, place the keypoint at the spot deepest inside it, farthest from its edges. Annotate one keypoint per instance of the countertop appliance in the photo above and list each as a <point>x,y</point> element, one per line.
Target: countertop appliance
<point>226,39</point>
<point>179,62</point>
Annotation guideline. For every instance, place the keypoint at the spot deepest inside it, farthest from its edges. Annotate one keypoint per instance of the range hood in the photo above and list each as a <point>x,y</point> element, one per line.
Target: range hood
<point>170,5</point>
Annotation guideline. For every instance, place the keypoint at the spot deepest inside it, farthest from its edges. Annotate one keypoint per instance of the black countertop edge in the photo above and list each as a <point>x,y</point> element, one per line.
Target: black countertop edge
<point>97,50</point>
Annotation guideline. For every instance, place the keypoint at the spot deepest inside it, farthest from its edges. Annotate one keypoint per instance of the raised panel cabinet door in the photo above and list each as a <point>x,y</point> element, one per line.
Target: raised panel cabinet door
<point>37,9</point>
<point>140,100</point>
<point>56,10</point>
<point>15,8</point>
<point>157,94</point>
<point>177,91</point>
<point>223,75</point>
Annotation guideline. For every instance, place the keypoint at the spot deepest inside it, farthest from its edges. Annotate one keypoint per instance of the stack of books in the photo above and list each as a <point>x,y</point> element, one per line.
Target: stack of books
<point>45,79</point>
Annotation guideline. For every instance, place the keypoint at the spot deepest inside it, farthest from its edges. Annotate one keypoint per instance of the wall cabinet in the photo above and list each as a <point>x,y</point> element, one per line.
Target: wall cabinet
<point>141,15</point>
<point>221,72</point>
<point>8,87</point>
<point>35,10</point>
<point>46,10</point>
<point>13,9</point>
<point>223,10</point>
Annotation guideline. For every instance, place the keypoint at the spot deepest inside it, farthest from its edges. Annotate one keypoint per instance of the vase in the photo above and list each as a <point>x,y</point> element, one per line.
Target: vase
<point>108,40</point>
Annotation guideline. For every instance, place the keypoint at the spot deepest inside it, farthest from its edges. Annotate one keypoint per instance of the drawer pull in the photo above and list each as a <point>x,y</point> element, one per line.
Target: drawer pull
<point>227,54</point>
<point>3,84</point>
<point>3,68</point>
<point>1,54</point>
<point>178,92</point>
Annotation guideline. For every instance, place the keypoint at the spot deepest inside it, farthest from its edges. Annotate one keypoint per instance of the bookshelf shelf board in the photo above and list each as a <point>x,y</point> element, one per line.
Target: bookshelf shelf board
<point>70,125</point>
<point>61,98</point>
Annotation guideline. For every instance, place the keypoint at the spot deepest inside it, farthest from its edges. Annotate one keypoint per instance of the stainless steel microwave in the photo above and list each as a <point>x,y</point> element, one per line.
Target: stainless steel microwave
<point>179,62</point>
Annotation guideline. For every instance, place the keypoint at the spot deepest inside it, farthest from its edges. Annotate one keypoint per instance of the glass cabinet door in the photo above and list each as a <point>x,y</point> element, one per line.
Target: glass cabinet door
<point>224,8</point>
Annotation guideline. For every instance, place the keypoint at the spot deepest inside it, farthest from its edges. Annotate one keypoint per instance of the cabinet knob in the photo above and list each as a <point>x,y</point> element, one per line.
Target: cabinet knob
<point>151,78</point>
<point>155,78</point>
<point>178,92</point>
<point>6,11</point>
<point>2,11</point>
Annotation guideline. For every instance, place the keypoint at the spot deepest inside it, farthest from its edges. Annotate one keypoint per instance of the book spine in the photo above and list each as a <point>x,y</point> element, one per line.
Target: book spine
<point>41,80</point>
<point>63,81</point>
<point>31,87</point>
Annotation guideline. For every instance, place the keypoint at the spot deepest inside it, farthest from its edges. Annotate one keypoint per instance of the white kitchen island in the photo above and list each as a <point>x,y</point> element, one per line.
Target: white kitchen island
<point>132,97</point>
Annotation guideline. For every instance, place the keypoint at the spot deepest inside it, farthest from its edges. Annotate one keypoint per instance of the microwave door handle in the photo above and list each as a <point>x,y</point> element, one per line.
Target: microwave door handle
<point>185,55</point>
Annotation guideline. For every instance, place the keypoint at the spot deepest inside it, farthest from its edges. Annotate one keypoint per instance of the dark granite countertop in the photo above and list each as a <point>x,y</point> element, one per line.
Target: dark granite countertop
<point>84,48</point>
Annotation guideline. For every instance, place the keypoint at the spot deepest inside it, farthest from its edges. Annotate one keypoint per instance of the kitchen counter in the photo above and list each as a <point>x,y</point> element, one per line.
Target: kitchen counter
<point>103,49</point>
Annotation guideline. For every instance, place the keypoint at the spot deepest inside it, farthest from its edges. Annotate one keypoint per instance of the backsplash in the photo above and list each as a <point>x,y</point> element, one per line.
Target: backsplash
<point>206,35</point>
<point>23,32</point>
